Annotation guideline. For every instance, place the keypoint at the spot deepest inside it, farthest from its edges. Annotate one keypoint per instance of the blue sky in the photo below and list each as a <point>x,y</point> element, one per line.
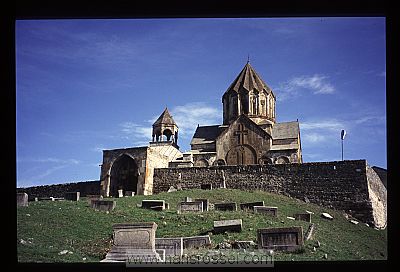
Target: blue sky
<point>88,85</point>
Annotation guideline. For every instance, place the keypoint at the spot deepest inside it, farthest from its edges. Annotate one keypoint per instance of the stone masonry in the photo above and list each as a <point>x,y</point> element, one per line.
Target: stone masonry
<point>345,185</point>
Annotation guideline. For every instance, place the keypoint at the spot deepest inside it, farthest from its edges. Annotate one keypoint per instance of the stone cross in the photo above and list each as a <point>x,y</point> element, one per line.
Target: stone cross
<point>241,133</point>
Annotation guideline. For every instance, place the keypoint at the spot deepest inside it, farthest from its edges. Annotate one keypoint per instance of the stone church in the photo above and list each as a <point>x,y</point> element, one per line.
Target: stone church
<point>249,135</point>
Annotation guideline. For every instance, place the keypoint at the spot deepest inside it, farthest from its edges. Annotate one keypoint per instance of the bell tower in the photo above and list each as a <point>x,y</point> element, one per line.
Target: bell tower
<point>165,129</point>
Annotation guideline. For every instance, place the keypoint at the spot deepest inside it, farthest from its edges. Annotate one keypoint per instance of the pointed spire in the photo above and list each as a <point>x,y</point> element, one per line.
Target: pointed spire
<point>165,118</point>
<point>248,79</point>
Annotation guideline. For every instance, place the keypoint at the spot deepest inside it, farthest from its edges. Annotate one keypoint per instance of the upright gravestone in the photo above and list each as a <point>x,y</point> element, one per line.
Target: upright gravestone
<point>172,246</point>
<point>194,206</point>
<point>272,211</point>
<point>250,206</point>
<point>103,205</point>
<point>234,225</point>
<point>285,239</point>
<point>74,196</point>
<point>225,206</point>
<point>134,242</point>
<point>22,199</point>
<point>187,199</point>
<point>205,203</point>
<point>120,193</point>
<point>303,216</point>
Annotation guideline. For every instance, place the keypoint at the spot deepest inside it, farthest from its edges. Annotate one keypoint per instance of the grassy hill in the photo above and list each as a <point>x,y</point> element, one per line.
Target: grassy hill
<point>46,228</point>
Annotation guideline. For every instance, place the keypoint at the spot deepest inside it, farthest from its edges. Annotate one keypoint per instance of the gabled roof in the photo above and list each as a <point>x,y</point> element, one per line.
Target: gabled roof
<point>248,79</point>
<point>206,134</point>
<point>165,118</point>
<point>246,120</point>
<point>285,130</point>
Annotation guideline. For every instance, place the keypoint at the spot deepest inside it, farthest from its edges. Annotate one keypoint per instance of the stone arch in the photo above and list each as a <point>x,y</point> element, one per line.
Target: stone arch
<point>241,155</point>
<point>201,163</point>
<point>124,173</point>
<point>219,162</point>
<point>168,133</point>
<point>265,160</point>
<point>282,160</point>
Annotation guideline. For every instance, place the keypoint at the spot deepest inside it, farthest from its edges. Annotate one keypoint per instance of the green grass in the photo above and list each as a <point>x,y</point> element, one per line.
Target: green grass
<point>52,227</point>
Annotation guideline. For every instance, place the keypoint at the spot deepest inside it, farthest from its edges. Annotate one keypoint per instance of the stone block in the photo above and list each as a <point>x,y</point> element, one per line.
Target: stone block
<point>172,246</point>
<point>134,241</point>
<point>250,206</point>
<point>284,239</point>
<point>147,204</point>
<point>196,241</point>
<point>103,205</point>
<point>272,211</point>
<point>93,197</point>
<point>120,193</point>
<point>225,206</point>
<point>74,196</point>
<point>194,206</point>
<point>22,199</point>
<point>205,203</point>
<point>234,225</point>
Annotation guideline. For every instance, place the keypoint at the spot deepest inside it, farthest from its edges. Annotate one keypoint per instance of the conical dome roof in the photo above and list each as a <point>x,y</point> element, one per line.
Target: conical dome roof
<point>248,80</point>
<point>165,119</point>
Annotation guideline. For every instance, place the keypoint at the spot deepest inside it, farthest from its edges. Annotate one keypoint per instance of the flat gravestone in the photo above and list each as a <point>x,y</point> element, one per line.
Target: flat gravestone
<point>196,241</point>
<point>272,211</point>
<point>172,246</point>
<point>250,206</point>
<point>147,204</point>
<point>93,197</point>
<point>120,193</point>
<point>46,198</point>
<point>157,208</point>
<point>205,203</point>
<point>22,199</point>
<point>234,225</point>
<point>103,205</point>
<point>133,241</point>
<point>129,193</point>
<point>225,206</point>
<point>303,216</point>
<point>206,186</point>
<point>285,239</point>
<point>74,196</point>
<point>194,206</point>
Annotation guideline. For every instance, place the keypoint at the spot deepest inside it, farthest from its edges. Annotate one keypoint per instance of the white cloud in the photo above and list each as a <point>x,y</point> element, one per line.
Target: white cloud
<point>314,138</point>
<point>138,134</point>
<point>317,84</point>
<point>332,124</point>
<point>188,116</point>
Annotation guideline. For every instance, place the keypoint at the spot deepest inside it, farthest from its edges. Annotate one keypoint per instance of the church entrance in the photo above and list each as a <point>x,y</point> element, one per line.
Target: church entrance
<point>241,155</point>
<point>124,175</point>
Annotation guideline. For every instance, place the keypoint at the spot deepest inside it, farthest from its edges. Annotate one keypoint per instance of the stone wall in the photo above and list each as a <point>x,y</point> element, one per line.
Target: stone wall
<point>339,184</point>
<point>58,190</point>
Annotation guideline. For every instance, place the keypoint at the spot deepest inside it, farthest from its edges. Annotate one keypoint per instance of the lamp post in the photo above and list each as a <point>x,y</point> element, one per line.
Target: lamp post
<point>342,135</point>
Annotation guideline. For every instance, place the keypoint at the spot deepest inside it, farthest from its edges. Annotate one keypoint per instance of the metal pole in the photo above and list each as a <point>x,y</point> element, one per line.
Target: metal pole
<point>342,149</point>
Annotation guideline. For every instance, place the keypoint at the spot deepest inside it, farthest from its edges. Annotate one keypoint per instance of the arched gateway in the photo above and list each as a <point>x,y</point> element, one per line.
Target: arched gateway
<point>124,175</point>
